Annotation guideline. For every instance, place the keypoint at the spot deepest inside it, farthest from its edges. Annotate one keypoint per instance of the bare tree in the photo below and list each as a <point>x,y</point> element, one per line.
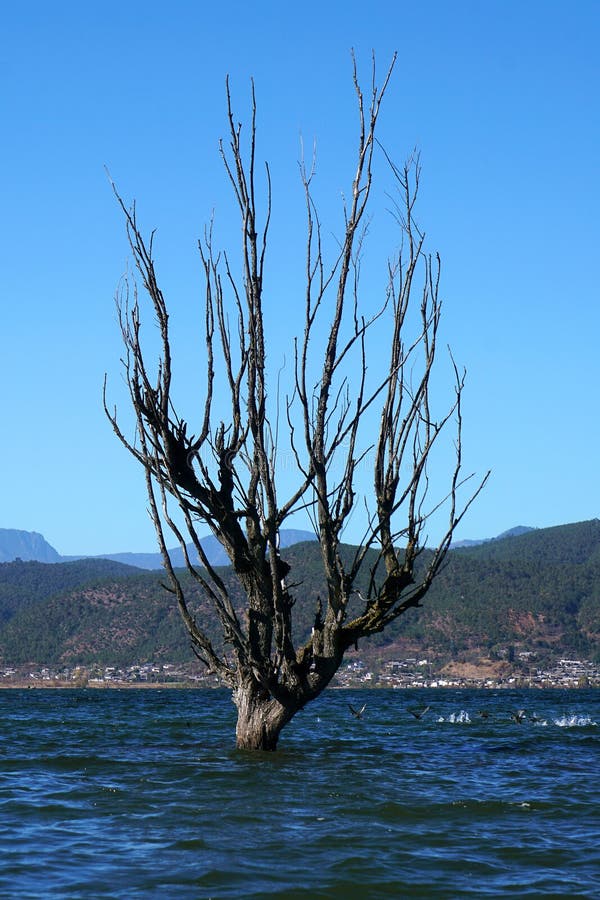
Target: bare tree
<point>224,475</point>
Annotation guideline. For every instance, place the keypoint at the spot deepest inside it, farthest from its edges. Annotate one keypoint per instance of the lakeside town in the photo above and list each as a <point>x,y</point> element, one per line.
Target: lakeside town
<point>410,672</point>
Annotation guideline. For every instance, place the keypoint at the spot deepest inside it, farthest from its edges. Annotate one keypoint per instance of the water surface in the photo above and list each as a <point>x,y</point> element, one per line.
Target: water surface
<point>140,794</point>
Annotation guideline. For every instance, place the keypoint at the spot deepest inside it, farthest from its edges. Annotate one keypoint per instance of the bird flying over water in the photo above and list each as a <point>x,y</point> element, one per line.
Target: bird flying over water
<point>357,713</point>
<point>419,712</point>
<point>518,716</point>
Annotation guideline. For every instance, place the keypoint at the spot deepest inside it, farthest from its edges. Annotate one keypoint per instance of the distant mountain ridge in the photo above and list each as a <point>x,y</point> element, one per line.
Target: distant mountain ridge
<point>215,553</point>
<point>512,532</point>
<point>31,546</point>
<point>531,597</point>
<point>26,545</point>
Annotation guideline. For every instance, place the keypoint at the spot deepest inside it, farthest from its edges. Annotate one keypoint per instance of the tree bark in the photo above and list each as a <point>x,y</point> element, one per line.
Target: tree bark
<point>260,717</point>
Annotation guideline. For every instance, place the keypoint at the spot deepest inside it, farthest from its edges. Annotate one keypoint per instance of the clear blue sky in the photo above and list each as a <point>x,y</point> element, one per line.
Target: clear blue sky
<point>501,98</point>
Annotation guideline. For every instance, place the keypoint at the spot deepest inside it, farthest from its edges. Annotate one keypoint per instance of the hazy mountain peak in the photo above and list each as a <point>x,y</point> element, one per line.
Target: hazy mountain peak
<point>516,531</point>
<point>25,545</point>
<point>32,547</point>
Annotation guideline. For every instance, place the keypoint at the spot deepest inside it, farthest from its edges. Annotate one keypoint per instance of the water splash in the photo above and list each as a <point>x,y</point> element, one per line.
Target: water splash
<point>575,722</point>
<point>461,718</point>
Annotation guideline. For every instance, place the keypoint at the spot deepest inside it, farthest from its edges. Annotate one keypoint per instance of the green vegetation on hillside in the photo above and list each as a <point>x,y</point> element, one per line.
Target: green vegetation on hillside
<point>22,583</point>
<point>537,592</point>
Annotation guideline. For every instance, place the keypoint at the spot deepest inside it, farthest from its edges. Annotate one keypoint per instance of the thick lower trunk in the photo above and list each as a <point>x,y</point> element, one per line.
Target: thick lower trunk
<point>260,718</point>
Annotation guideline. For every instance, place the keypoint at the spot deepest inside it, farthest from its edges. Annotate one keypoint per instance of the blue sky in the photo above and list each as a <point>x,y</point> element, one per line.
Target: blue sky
<point>501,98</point>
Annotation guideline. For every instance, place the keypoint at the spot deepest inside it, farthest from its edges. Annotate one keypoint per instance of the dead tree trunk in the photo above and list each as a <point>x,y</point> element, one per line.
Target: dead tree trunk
<point>260,717</point>
<point>224,476</point>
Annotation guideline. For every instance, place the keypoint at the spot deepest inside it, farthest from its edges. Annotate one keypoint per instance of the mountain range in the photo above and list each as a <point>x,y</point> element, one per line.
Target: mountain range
<point>512,532</point>
<point>533,595</point>
<point>26,545</point>
<point>31,546</point>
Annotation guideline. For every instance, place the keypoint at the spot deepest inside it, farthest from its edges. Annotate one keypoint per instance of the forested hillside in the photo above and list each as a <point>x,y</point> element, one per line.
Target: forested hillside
<point>539,591</point>
<point>536,592</point>
<point>24,583</point>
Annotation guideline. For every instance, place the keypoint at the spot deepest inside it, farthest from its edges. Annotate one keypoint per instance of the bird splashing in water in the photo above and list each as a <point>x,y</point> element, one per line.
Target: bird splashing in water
<point>357,713</point>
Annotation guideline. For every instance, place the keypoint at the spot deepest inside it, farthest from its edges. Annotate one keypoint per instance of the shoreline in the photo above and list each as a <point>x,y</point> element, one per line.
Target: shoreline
<point>96,686</point>
<point>189,686</point>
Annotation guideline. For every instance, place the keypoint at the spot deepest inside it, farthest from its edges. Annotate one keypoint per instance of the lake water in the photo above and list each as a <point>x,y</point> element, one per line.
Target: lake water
<point>140,794</point>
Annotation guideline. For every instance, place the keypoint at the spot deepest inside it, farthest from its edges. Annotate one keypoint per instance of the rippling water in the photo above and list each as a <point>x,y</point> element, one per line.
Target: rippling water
<point>139,794</point>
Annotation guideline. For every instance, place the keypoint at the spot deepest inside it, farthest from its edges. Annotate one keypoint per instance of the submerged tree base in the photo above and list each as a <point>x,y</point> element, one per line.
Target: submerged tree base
<point>260,719</point>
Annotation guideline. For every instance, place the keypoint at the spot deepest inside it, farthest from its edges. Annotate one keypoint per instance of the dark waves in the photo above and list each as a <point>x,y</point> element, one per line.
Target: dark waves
<point>139,794</point>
